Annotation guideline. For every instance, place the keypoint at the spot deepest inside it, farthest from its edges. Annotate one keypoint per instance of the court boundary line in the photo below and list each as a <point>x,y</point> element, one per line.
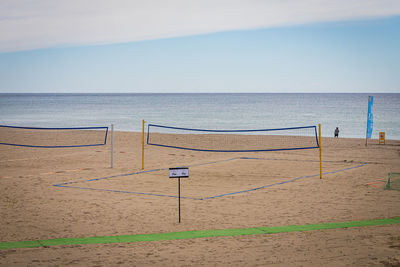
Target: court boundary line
<point>194,234</point>
<point>68,184</point>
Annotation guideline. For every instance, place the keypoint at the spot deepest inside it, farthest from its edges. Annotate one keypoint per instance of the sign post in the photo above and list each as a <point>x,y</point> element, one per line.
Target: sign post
<point>179,173</point>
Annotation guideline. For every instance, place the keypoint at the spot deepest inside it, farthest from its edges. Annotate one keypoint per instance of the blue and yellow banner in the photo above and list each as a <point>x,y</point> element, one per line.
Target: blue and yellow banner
<point>370,122</point>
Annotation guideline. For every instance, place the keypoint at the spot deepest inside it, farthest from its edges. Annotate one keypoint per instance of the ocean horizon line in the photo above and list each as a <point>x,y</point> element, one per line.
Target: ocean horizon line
<point>192,93</point>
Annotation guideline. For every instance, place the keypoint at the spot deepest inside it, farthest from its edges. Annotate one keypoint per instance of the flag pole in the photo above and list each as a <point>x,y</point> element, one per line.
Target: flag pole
<point>366,130</point>
<point>369,120</point>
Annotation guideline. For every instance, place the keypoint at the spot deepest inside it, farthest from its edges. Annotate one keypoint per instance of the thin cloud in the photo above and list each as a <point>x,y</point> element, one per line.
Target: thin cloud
<point>28,25</point>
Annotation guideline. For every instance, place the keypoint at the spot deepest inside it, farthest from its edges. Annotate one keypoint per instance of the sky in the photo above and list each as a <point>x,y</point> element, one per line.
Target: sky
<point>180,46</point>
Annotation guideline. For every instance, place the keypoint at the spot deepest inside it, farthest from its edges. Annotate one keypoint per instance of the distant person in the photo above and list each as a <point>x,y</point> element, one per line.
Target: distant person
<point>337,132</point>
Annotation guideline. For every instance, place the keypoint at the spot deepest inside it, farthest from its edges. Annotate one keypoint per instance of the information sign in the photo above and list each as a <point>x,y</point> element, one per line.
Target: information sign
<point>178,172</point>
<point>381,137</point>
<point>181,172</point>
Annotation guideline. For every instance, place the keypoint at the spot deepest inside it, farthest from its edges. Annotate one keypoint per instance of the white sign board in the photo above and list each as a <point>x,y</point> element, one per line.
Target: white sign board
<point>178,172</point>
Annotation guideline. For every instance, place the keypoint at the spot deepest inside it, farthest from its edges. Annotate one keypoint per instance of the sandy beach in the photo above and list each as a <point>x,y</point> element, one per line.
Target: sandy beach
<point>224,191</point>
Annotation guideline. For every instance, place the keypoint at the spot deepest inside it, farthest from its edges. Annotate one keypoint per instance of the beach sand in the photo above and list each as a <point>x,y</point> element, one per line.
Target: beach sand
<point>32,208</point>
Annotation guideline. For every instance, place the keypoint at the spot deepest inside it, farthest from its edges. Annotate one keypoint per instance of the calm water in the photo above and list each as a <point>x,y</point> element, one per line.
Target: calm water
<point>208,111</point>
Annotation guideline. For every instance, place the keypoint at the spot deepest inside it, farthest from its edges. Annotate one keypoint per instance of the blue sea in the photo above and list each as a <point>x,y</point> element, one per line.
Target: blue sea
<point>206,111</point>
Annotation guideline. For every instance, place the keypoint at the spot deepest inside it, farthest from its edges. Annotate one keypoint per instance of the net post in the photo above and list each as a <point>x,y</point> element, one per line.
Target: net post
<point>112,145</point>
<point>143,124</point>
<point>179,199</point>
<point>320,151</point>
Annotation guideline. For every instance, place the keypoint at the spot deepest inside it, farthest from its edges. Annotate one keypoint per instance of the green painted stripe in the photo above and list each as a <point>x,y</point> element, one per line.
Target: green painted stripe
<point>193,234</point>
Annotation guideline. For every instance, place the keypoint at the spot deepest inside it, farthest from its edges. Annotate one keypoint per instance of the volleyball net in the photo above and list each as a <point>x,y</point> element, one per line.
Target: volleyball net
<point>304,137</point>
<point>53,137</point>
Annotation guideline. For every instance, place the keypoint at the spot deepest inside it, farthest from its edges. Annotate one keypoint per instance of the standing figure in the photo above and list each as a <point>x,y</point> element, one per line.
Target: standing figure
<point>337,132</point>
